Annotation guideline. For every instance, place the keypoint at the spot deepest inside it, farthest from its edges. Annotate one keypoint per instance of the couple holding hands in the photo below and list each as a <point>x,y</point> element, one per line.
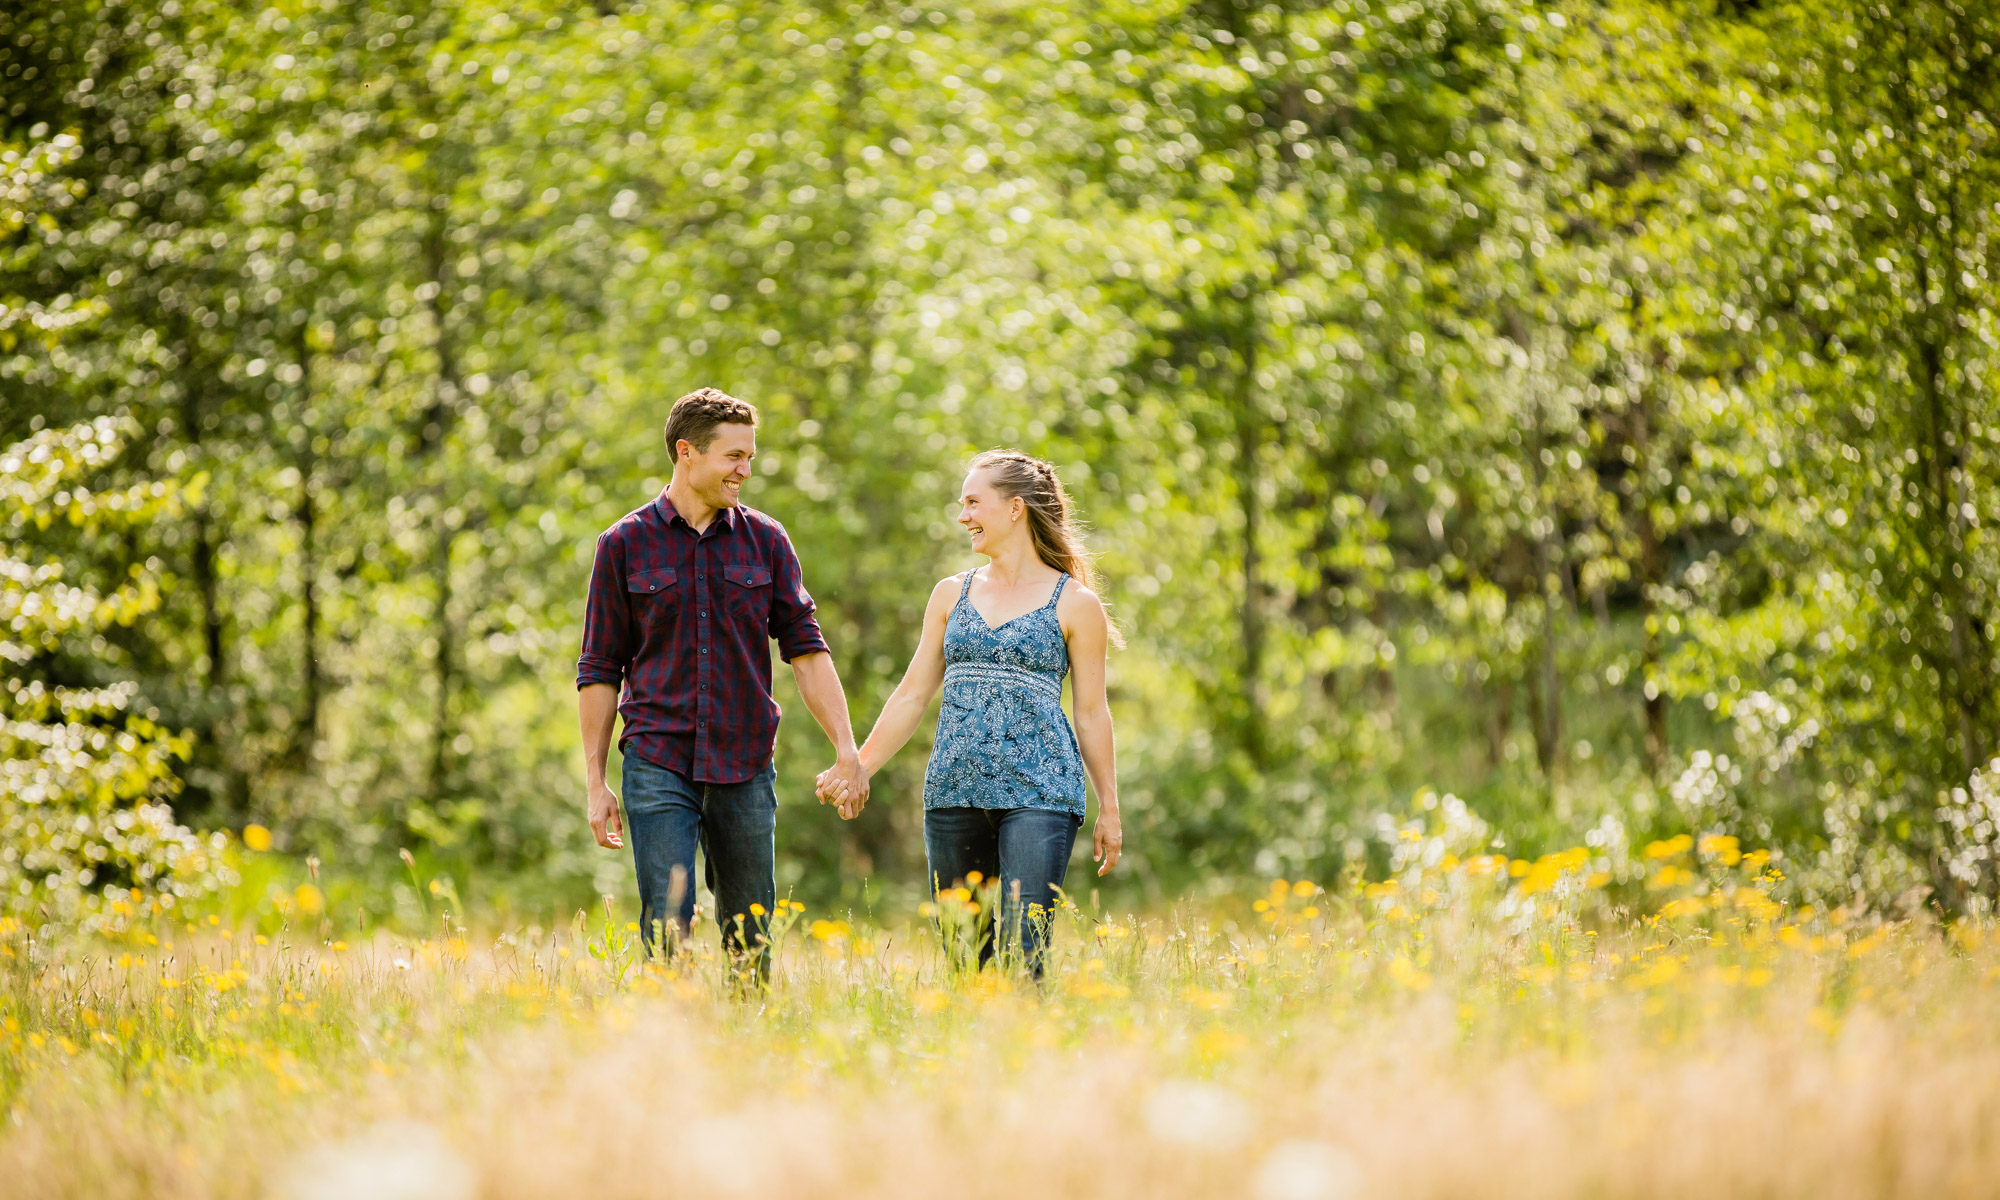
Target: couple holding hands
<point>684,594</point>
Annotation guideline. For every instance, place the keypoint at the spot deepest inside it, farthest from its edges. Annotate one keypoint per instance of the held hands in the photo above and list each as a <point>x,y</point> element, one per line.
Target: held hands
<point>1107,841</point>
<point>845,786</point>
<point>606,822</point>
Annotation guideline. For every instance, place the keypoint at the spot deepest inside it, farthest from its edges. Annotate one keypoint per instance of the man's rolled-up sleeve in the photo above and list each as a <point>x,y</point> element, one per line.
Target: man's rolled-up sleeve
<point>792,621</point>
<point>607,623</point>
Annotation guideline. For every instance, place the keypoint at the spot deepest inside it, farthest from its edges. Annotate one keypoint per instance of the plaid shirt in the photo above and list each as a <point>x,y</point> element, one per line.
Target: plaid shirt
<point>681,619</point>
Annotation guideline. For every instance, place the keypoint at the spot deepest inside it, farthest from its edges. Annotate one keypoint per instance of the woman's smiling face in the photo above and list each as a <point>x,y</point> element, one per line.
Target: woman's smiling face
<point>985,514</point>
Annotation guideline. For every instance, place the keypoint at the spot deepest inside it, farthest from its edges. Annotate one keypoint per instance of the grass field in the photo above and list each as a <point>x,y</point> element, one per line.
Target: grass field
<point>1472,1027</point>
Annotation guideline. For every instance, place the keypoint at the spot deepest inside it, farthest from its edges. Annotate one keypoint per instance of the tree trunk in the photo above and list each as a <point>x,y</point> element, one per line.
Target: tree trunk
<point>306,734</point>
<point>1534,685</point>
<point>201,556</point>
<point>1249,438</point>
<point>1546,695</point>
<point>443,670</point>
<point>445,396</point>
<point>438,418</point>
<point>205,584</point>
<point>1548,729</point>
<point>1957,680</point>
<point>1964,692</point>
<point>1500,721</point>
<point>1383,677</point>
<point>305,731</point>
<point>1652,577</point>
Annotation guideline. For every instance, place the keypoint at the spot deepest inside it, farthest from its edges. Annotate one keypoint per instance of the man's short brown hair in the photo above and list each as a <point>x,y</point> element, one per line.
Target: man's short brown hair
<point>695,416</point>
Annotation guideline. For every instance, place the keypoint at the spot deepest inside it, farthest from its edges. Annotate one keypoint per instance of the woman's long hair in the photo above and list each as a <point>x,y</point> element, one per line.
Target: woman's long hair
<point>1057,538</point>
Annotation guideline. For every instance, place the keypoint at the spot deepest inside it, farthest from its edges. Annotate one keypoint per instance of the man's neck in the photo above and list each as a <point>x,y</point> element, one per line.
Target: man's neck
<point>696,511</point>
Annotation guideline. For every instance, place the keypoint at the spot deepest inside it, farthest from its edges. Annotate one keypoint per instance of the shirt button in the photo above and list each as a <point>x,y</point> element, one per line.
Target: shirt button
<point>704,612</point>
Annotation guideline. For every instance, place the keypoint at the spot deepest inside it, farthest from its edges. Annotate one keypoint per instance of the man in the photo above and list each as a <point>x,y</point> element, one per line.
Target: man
<point>683,595</point>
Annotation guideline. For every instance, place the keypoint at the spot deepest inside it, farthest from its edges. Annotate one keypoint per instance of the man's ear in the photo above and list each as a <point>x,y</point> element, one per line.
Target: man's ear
<point>682,446</point>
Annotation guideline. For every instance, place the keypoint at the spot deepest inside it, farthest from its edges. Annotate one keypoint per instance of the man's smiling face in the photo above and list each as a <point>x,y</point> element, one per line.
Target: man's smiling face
<point>718,473</point>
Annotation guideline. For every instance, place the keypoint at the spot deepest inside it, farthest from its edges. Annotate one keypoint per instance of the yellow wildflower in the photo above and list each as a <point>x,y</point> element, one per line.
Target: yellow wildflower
<point>1670,847</point>
<point>1406,974</point>
<point>1721,846</point>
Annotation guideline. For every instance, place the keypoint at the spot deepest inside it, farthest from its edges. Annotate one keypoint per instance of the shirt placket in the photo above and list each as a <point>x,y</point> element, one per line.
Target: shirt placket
<point>704,656</point>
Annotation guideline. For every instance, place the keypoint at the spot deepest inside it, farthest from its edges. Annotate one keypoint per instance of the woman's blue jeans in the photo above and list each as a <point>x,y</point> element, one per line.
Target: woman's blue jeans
<point>735,825</point>
<point>1026,849</point>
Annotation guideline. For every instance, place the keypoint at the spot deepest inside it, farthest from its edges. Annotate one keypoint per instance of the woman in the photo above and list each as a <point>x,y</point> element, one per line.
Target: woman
<point>1004,792</point>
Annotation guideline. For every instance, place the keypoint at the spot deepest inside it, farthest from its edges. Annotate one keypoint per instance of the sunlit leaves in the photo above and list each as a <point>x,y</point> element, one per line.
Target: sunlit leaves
<point>1420,368</point>
<point>84,780</point>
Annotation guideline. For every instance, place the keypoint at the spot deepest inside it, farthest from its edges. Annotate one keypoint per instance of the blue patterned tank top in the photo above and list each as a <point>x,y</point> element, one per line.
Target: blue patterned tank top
<point>1003,740</point>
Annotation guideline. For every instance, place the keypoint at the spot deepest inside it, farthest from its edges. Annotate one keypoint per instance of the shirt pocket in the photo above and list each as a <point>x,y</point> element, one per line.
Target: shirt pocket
<point>746,592</point>
<point>653,596</point>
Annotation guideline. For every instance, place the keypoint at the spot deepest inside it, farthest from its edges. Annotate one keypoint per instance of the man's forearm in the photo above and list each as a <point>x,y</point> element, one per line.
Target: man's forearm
<point>819,687</point>
<point>597,708</point>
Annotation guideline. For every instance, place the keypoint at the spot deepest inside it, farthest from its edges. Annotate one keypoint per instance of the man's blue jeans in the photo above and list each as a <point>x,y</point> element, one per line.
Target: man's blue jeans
<point>1026,849</point>
<point>735,825</point>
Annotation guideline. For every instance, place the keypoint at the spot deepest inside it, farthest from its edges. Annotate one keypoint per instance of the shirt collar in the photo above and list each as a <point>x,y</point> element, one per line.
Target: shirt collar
<point>668,514</point>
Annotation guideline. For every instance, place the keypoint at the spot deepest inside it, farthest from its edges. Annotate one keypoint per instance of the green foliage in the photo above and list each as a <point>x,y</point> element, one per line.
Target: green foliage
<point>1583,408</point>
<point>86,834</point>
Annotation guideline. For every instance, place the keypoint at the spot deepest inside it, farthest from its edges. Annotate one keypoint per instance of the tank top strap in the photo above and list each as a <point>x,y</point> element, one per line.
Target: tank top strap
<point>966,586</point>
<point>1060,580</point>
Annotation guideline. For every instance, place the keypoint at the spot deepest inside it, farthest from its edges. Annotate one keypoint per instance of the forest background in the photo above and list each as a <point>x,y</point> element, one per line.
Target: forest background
<point>1586,409</point>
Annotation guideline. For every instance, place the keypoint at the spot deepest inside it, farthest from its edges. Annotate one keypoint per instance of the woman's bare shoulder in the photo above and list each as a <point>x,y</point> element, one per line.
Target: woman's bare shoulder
<point>945,592</point>
<point>1080,604</point>
<point>1077,594</point>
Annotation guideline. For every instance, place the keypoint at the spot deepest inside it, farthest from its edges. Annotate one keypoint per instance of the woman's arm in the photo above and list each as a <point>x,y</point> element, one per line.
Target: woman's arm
<point>1088,632</point>
<point>905,709</point>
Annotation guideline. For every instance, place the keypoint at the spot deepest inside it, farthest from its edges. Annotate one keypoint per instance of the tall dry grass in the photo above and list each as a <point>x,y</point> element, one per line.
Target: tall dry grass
<point>1473,1028</point>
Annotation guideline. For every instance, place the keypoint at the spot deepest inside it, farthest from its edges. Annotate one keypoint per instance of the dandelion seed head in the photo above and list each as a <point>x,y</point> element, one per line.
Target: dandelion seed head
<point>391,1161</point>
<point>1190,1113</point>
<point>1308,1170</point>
<point>729,1154</point>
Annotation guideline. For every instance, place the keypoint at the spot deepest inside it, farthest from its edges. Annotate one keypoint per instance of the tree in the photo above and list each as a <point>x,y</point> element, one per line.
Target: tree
<point>87,833</point>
